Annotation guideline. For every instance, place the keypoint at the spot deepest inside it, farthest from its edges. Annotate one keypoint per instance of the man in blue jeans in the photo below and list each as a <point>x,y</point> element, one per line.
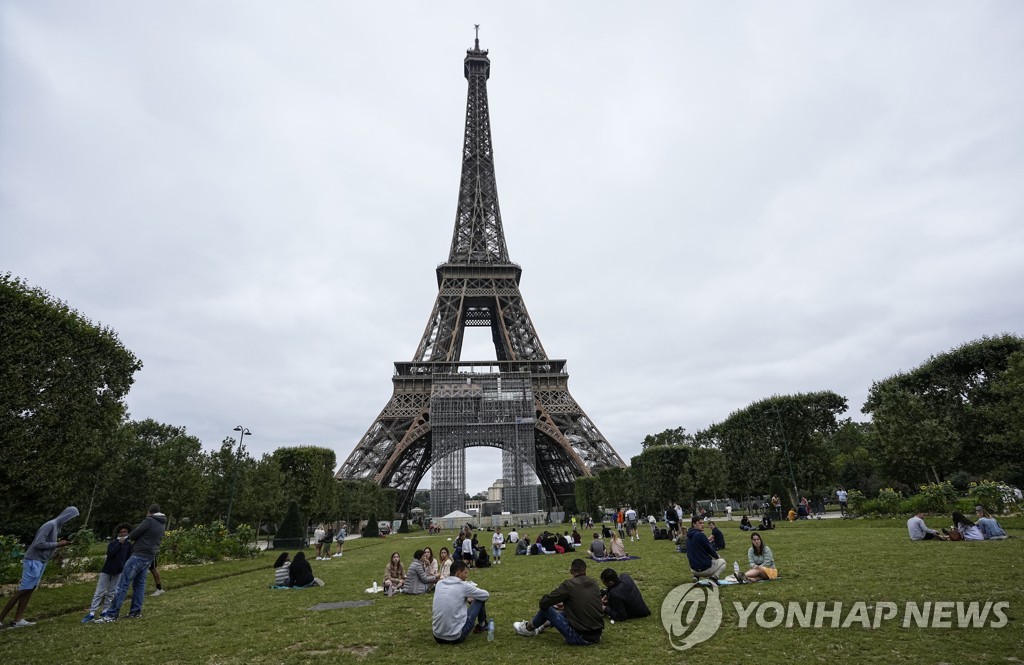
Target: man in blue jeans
<point>574,608</point>
<point>452,619</point>
<point>146,538</point>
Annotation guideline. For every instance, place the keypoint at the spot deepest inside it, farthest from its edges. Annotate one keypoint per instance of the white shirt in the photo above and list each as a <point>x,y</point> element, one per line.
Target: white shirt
<point>631,515</point>
<point>513,536</point>
<point>497,539</point>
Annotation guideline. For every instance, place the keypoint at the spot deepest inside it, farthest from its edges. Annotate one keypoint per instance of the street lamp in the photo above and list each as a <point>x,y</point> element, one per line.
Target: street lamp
<point>243,432</point>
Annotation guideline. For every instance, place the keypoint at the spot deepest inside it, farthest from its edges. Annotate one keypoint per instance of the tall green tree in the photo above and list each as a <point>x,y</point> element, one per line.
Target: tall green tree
<point>941,417</point>
<point>670,437</point>
<point>63,380</point>
<point>588,494</point>
<point>784,435</point>
<point>309,480</point>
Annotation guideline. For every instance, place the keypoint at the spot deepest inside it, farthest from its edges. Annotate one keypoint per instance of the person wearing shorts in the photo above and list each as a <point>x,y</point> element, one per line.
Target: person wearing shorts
<point>47,540</point>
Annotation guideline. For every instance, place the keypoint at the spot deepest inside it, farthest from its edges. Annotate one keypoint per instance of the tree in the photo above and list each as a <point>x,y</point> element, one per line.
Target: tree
<point>944,415</point>
<point>669,437</point>
<point>615,486</point>
<point>783,435</point>
<point>660,476</point>
<point>292,533</point>
<point>309,480</point>
<point>63,380</point>
<point>587,495</point>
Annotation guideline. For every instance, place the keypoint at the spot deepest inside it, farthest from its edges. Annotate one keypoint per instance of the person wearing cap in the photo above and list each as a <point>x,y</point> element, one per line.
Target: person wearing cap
<point>146,539</point>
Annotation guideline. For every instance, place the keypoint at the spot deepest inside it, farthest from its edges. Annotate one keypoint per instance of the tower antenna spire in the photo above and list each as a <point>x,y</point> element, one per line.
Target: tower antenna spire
<point>476,42</point>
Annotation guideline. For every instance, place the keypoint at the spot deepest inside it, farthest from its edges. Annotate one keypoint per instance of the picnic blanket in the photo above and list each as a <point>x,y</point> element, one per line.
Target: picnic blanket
<point>613,558</point>
<point>732,580</point>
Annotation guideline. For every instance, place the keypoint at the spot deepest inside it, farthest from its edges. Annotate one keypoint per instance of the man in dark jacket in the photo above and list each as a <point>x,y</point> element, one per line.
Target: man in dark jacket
<point>704,560</point>
<point>622,600</point>
<point>574,608</point>
<point>146,538</point>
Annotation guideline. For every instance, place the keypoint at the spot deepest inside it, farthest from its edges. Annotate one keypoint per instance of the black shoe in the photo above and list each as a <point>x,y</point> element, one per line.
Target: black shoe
<point>135,615</point>
<point>713,578</point>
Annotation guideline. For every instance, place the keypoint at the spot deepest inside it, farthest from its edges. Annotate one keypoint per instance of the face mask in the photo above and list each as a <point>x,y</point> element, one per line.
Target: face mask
<point>122,538</point>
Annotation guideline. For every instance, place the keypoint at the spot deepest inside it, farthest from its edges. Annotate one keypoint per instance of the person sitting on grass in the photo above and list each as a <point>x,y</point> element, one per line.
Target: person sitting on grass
<point>417,580</point>
<point>394,575</point>
<point>766,523</point>
<point>918,530</point>
<point>281,570</point>
<point>429,562</point>
<point>444,568</point>
<point>745,524</point>
<point>762,562</point>
<point>300,573</point>
<point>704,560</point>
<point>717,538</point>
<point>451,618</point>
<point>622,599</point>
<point>596,550</point>
<point>574,608</point>
<point>467,550</point>
<point>988,525</point>
<point>618,548</point>
<point>523,546</point>
<point>966,527</point>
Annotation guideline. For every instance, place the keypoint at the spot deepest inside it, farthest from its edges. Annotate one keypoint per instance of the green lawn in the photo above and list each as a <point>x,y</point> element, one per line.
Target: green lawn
<point>225,613</point>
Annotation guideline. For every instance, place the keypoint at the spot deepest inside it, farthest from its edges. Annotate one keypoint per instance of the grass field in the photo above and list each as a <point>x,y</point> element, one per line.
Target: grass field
<point>225,613</point>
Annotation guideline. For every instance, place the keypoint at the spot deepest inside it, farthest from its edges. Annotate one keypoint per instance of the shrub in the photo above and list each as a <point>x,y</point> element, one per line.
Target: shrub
<point>371,530</point>
<point>857,500</point>
<point>995,497</point>
<point>889,501</point>
<point>936,498</point>
<point>207,543</point>
<point>11,552</point>
<point>291,534</point>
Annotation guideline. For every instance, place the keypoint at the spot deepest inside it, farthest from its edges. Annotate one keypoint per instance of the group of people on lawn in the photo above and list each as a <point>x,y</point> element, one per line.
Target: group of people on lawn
<point>702,553</point>
<point>986,528</point>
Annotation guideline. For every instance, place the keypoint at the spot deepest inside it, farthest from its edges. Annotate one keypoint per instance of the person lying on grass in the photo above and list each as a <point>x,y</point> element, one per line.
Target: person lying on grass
<point>762,562</point>
<point>990,528</point>
<point>966,527</point>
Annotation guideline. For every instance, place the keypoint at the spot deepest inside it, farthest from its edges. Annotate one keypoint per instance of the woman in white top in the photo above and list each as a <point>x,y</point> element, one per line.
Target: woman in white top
<point>966,527</point>
<point>444,563</point>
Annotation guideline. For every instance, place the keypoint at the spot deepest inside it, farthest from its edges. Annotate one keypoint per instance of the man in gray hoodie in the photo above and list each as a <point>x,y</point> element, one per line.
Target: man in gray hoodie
<point>37,555</point>
<point>146,538</point>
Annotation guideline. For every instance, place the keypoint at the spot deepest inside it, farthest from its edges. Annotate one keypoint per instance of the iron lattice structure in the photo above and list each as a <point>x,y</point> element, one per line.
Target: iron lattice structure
<point>420,427</point>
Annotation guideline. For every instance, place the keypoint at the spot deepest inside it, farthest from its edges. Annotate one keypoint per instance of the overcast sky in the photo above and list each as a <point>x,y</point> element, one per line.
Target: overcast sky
<point>711,202</point>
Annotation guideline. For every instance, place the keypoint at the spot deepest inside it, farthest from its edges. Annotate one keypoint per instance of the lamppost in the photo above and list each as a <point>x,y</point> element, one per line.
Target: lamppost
<point>243,432</point>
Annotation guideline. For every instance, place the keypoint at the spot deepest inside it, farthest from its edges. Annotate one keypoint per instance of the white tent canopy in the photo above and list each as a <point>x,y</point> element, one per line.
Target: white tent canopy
<point>455,514</point>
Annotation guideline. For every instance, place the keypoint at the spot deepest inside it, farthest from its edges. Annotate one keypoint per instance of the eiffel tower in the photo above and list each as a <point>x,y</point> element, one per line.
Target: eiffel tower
<point>519,403</point>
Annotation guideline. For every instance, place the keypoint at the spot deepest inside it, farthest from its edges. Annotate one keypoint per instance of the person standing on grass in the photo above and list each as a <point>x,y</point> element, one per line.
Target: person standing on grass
<point>458,608</point>
<point>38,554</point>
<point>574,608</point>
<point>843,497</point>
<point>146,538</point>
<point>318,538</point>
<point>631,521</point>
<point>328,541</point>
<point>704,560</point>
<point>340,539</point>
<point>118,552</point>
<point>497,541</point>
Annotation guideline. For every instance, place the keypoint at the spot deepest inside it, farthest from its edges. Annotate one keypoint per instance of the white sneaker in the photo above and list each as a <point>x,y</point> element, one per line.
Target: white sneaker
<point>521,629</point>
<point>158,592</point>
<point>22,624</point>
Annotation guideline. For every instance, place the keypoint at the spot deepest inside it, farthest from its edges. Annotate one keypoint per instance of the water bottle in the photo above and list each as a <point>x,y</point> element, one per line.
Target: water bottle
<point>490,630</point>
<point>736,569</point>
<point>375,586</point>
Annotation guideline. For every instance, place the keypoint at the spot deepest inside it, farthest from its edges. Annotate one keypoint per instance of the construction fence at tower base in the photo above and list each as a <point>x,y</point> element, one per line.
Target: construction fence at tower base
<point>494,410</point>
